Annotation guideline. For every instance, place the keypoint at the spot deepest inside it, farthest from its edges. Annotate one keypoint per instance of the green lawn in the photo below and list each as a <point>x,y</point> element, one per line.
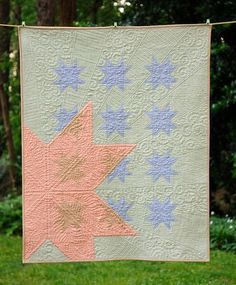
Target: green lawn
<point>221,270</point>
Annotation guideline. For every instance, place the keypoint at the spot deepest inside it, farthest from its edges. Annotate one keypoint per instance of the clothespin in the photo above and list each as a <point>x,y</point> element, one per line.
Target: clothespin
<point>208,21</point>
<point>23,23</point>
<point>115,24</point>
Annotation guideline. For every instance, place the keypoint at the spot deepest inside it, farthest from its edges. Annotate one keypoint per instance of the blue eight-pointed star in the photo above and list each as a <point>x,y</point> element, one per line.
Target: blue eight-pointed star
<point>161,120</point>
<point>68,75</point>
<point>161,212</point>
<point>160,74</point>
<point>161,166</point>
<point>115,121</point>
<point>121,207</point>
<point>63,117</point>
<point>120,171</point>
<point>115,74</point>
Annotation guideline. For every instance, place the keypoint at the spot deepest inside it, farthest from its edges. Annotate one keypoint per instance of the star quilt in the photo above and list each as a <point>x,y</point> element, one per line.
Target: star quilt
<point>115,143</point>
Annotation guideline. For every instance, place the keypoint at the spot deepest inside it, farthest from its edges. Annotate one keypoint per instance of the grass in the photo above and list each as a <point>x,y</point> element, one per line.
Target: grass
<point>220,271</point>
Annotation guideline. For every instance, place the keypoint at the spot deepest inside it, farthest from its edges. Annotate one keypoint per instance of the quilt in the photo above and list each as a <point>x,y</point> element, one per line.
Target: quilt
<point>115,143</point>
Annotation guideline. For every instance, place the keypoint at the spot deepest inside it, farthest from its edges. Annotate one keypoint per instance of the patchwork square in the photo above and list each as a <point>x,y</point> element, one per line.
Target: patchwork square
<point>115,143</point>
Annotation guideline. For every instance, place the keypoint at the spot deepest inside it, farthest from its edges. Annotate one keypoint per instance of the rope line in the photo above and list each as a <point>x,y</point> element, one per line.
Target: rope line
<point>53,27</point>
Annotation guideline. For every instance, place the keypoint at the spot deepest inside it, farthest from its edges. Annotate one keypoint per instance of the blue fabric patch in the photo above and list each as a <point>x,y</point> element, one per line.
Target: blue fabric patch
<point>68,75</point>
<point>115,121</point>
<point>161,120</point>
<point>120,171</point>
<point>161,166</point>
<point>121,207</point>
<point>115,74</point>
<point>63,117</point>
<point>161,212</point>
<point>160,74</point>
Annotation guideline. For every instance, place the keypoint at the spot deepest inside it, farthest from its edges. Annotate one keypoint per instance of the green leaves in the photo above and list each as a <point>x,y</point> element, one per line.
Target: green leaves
<point>10,213</point>
<point>223,233</point>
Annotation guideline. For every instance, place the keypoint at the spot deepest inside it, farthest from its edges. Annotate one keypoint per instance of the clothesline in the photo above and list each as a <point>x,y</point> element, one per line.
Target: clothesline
<point>115,25</point>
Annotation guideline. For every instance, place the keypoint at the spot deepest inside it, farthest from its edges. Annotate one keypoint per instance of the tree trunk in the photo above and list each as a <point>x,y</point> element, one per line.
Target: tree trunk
<point>17,20</point>
<point>95,6</point>
<point>4,76</point>
<point>67,12</point>
<point>17,13</point>
<point>46,12</point>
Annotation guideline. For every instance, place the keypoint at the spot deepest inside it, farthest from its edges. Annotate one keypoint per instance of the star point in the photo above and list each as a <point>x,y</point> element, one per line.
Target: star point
<point>64,117</point>
<point>69,76</point>
<point>121,207</point>
<point>115,74</point>
<point>161,166</point>
<point>161,212</point>
<point>161,120</point>
<point>115,121</point>
<point>120,171</point>
<point>160,74</point>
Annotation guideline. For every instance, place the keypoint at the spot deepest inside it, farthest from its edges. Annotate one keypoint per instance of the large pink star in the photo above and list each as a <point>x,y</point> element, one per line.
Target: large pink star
<point>60,203</point>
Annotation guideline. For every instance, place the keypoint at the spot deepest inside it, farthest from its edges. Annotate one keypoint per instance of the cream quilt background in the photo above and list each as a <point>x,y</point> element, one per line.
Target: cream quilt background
<point>148,88</point>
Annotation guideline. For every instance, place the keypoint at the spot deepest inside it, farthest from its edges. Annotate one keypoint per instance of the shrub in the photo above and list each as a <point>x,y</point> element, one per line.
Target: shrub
<point>223,233</point>
<point>11,213</point>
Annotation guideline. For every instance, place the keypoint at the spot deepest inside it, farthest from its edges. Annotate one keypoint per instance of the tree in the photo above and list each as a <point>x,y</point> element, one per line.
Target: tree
<point>46,12</point>
<point>67,12</point>
<point>94,9</point>
<point>4,78</point>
